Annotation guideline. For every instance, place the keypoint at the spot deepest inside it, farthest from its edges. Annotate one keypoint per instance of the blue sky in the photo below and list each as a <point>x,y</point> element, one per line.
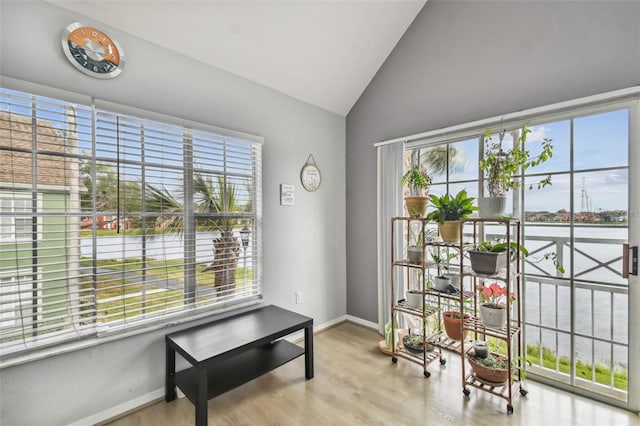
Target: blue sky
<point>600,141</point>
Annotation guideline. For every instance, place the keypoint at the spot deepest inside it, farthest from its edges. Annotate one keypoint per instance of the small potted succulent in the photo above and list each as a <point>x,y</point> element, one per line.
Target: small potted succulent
<point>418,182</point>
<point>493,369</point>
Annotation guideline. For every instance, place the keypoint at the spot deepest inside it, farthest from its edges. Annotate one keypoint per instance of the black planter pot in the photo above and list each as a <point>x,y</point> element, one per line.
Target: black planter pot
<point>487,262</point>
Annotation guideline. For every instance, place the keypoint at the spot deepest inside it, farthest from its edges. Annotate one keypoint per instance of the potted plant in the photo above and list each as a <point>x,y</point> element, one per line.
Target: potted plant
<point>415,299</point>
<point>500,167</point>
<point>453,324</point>
<point>448,212</point>
<point>493,369</point>
<point>453,319</point>
<point>480,349</point>
<point>493,310</point>
<point>418,182</point>
<point>488,258</point>
<point>414,344</point>
<point>442,257</point>
<point>415,252</point>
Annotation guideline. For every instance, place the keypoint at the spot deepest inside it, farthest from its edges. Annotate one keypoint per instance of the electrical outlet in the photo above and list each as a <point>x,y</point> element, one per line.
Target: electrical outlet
<point>298,297</point>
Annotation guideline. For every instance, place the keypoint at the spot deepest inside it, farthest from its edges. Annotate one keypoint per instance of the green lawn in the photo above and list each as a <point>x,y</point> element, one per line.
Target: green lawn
<point>118,299</point>
<point>170,269</point>
<point>601,374</point>
<point>115,295</point>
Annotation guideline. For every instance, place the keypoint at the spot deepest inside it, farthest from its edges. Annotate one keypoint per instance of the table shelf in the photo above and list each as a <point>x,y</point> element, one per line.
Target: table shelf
<point>228,374</point>
<point>232,351</point>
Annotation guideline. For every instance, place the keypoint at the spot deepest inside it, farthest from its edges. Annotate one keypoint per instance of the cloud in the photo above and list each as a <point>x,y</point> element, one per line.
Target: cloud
<point>538,133</point>
<point>616,177</point>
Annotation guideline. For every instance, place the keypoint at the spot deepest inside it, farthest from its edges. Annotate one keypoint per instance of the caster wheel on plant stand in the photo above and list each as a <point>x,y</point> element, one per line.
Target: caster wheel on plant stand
<point>523,392</point>
<point>509,409</point>
<point>394,360</point>
<point>466,391</point>
<point>426,373</point>
<point>443,361</point>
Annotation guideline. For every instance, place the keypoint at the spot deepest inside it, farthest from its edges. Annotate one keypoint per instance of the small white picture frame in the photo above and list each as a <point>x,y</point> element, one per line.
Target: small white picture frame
<point>286,194</point>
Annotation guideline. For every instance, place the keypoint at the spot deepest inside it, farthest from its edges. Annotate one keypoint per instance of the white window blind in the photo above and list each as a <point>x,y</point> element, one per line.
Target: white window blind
<point>119,221</point>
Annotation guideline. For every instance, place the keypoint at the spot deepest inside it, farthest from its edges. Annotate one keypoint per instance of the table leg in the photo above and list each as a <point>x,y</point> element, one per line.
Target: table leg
<point>308,352</point>
<point>202,397</point>
<point>170,374</point>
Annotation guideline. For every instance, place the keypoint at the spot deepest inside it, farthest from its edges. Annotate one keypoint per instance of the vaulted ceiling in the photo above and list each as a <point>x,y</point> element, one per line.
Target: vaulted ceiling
<point>321,52</point>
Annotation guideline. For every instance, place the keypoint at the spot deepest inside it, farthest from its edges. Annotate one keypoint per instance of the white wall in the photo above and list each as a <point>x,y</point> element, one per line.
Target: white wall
<point>462,61</point>
<point>304,245</point>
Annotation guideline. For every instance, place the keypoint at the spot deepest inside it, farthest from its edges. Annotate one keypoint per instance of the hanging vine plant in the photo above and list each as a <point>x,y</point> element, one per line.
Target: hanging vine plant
<point>501,167</point>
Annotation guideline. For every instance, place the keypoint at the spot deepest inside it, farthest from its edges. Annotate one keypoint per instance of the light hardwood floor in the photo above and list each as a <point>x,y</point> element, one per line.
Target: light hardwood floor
<point>355,384</point>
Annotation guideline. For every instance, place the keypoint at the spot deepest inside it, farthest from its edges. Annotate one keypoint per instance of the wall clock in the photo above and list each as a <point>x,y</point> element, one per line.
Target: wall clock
<point>310,175</point>
<point>92,51</point>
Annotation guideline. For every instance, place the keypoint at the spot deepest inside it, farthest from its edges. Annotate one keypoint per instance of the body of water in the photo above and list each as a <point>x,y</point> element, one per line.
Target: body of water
<point>600,294</point>
<point>545,303</point>
<point>158,247</point>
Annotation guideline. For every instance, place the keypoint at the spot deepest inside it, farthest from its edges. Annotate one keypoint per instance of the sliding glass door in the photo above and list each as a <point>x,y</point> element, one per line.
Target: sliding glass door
<point>581,331</point>
<point>577,330</point>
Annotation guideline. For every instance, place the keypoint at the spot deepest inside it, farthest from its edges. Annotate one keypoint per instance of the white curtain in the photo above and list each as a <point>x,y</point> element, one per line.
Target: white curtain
<point>390,170</point>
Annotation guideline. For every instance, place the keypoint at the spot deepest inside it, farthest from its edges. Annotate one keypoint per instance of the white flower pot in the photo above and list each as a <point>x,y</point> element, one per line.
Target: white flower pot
<point>414,253</point>
<point>493,317</point>
<point>491,207</point>
<point>415,299</point>
<point>440,283</point>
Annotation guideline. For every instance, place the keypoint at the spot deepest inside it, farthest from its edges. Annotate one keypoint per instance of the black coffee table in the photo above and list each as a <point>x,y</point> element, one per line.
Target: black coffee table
<point>227,353</point>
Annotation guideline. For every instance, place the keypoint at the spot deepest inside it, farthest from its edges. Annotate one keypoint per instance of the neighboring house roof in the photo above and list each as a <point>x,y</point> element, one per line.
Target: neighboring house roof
<point>16,133</point>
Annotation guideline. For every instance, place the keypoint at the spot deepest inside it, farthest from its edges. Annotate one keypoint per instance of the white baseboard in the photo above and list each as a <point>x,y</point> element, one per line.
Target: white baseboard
<point>120,409</point>
<point>297,336</point>
<point>140,401</point>
<point>360,321</point>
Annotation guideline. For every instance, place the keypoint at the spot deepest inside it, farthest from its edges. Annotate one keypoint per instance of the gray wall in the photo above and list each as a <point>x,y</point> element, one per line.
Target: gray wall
<point>466,60</point>
<point>304,245</point>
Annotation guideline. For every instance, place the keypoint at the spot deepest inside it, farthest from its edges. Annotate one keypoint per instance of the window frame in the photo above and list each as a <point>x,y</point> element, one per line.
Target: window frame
<point>13,196</point>
<point>189,311</point>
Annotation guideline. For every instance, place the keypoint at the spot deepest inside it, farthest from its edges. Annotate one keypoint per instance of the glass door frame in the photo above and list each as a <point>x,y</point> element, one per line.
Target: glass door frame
<point>621,99</point>
<point>632,402</point>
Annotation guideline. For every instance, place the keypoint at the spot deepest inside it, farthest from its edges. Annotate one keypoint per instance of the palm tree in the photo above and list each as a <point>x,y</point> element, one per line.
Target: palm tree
<point>438,159</point>
<point>171,209</point>
<point>213,200</point>
<point>219,198</point>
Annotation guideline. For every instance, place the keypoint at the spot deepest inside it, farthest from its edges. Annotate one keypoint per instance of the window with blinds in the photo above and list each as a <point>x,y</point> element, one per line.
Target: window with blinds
<point>110,221</point>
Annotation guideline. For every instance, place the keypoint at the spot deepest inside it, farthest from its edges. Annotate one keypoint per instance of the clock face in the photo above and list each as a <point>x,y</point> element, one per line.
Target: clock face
<point>92,51</point>
<point>310,177</point>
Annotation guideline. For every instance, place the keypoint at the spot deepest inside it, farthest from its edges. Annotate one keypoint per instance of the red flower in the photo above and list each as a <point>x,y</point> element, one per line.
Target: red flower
<point>493,294</point>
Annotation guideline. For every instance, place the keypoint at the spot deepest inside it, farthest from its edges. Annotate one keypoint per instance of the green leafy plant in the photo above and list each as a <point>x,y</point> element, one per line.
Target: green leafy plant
<point>448,207</point>
<point>416,180</point>
<point>493,361</point>
<point>524,362</point>
<point>501,166</point>
<point>427,234</point>
<point>497,247</point>
<point>442,257</point>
